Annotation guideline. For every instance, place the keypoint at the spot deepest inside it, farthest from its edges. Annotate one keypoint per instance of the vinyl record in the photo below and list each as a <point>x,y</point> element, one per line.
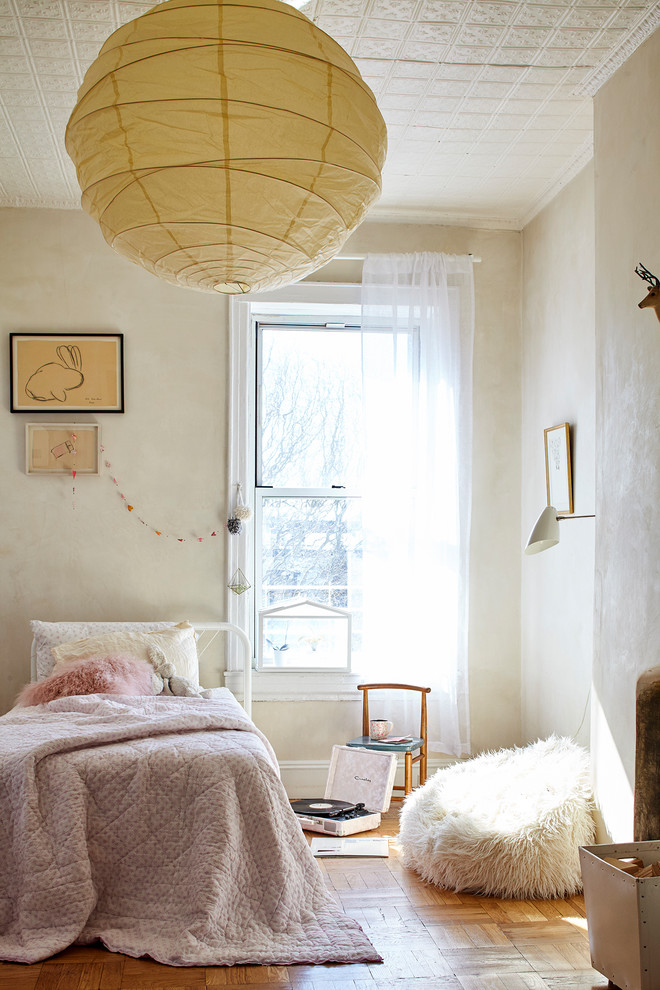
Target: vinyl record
<point>321,807</point>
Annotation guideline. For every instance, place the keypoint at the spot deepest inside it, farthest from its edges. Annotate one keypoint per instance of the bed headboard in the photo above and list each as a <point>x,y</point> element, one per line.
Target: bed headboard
<point>47,634</point>
<point>208,633</point>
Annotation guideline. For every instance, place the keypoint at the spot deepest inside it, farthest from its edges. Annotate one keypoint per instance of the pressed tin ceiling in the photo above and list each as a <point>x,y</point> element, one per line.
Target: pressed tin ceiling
<point>488,103</point>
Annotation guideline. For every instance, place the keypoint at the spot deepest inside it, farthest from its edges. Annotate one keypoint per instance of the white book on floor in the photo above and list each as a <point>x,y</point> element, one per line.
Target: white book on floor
<point>331,846</point>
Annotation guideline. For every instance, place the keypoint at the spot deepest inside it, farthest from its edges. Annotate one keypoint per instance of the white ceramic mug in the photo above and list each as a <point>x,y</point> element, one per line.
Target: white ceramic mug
<point>379,728</point>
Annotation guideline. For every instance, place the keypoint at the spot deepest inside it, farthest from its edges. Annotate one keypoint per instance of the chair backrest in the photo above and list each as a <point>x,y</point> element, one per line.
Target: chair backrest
<point>366,688</point>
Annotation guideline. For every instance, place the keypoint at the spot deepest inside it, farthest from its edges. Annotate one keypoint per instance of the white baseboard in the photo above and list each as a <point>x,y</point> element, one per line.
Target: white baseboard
<point>307,778</point>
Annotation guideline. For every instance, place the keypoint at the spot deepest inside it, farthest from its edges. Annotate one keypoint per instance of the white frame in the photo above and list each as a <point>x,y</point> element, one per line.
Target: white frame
<point>293,319</point>
<point>33,428</point>
<point>306,302</point>
<point>339,614</point>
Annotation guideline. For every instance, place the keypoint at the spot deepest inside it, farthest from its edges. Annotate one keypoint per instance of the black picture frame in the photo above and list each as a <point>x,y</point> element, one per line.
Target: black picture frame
<point>66,372</point>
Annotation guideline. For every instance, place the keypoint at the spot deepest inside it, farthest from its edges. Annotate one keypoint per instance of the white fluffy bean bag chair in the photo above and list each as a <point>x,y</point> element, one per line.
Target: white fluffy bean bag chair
<point>508,823</point>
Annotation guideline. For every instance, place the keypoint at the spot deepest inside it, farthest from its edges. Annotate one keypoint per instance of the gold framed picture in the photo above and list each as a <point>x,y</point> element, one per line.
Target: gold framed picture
<point>67,372</point>
<point>61,448</point>
<point>558,481</point>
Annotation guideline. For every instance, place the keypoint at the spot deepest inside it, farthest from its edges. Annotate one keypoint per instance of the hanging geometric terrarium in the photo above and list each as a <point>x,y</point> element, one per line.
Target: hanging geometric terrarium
<point>239,584</point>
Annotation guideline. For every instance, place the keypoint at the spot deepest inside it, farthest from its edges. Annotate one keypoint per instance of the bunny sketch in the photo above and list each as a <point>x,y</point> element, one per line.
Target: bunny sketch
<point>52,380</point>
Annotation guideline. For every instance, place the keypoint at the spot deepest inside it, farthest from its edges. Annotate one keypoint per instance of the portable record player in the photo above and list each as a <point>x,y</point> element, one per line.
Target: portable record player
<point>358,789</point>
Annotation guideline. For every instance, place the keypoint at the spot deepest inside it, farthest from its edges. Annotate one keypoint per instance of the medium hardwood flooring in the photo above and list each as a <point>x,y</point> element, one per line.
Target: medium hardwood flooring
<point>430,939</point>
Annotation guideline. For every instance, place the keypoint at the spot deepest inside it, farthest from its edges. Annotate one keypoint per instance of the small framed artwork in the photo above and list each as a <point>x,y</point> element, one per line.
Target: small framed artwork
<point>61,448</point>
<point>558,468</point>
<point>67,372</point>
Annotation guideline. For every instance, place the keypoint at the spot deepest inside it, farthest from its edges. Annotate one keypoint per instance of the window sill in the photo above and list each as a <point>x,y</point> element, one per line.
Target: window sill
<point>282,685</point>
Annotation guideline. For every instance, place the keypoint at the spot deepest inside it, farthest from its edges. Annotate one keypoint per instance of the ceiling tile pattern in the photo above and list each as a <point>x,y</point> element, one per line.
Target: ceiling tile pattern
<point>488,103</point>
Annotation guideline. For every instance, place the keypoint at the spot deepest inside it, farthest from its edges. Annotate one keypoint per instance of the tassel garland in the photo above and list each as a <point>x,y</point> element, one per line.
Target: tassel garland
<point>159,532</point>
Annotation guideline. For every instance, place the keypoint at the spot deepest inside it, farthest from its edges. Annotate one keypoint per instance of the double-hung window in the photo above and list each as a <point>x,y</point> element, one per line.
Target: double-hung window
<point>308,525</point>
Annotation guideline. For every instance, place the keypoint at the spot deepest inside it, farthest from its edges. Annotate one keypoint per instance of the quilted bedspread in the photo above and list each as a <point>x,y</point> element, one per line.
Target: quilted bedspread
<point>159,826</point>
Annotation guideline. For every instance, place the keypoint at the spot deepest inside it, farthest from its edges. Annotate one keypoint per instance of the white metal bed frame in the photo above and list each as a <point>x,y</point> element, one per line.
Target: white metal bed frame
<point>203,645</point>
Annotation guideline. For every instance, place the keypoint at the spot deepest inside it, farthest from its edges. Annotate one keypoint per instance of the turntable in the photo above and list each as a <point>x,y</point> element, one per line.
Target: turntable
<point>334,817</point>
<point>358,789</point>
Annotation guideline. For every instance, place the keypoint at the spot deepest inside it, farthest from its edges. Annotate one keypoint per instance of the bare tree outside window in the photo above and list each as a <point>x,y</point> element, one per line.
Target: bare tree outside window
<point>309,454</point>
<point>310,408</point>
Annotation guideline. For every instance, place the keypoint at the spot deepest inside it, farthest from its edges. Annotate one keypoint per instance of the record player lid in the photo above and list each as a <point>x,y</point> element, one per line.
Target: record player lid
<point>361,776</point>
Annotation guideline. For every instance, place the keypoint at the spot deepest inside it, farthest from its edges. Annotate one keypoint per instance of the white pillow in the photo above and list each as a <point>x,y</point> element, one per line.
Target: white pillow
<point>46,635</point>
<point>177,643</point>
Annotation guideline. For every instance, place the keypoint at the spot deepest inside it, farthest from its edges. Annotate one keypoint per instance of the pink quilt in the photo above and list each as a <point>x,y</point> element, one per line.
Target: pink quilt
<point>159,826</point>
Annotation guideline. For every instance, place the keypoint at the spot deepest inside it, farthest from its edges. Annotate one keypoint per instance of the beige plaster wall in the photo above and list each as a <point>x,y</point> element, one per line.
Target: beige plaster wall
<point>168,452</point>
<point>627,619</point>
<point>558,382</point>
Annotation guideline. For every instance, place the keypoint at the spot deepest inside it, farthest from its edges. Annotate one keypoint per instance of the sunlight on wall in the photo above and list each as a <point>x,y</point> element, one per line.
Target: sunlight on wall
<point>611,784</point>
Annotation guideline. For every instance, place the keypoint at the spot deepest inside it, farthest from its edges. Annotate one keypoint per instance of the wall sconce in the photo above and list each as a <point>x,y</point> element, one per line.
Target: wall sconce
<point>545,532</point>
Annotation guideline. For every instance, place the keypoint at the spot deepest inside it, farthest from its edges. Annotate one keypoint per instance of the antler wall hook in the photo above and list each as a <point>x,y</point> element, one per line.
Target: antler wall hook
<point>653,296</point>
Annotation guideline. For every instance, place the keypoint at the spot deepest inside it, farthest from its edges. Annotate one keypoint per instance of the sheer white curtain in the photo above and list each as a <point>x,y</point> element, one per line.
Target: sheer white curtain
<point>417,339</point>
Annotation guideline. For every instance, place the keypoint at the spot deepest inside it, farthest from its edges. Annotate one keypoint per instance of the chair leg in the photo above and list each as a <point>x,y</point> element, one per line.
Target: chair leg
<point>408,773</point>
<point>422,766</point>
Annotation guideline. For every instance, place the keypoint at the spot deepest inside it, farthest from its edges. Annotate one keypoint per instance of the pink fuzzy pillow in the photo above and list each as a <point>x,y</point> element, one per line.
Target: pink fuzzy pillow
<point>119,674</point>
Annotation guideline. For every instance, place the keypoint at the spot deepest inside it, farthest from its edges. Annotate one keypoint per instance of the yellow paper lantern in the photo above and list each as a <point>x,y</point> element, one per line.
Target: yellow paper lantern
<point>226,146</point>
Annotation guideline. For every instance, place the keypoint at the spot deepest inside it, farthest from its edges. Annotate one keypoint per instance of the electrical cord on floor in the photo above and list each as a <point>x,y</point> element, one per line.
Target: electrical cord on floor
<point>584,713</point>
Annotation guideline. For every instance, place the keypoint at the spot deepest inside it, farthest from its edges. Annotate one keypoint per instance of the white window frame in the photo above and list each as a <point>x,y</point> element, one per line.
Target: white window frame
<point>303,303</point>
<point>259,494</point>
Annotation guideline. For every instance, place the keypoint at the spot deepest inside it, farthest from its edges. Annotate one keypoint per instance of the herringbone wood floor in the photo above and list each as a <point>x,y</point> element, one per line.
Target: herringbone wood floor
<point>430,939</point>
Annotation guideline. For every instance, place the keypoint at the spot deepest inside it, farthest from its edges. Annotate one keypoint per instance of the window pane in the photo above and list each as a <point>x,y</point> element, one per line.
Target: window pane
<point>309,406</point>
<point>312,548</point>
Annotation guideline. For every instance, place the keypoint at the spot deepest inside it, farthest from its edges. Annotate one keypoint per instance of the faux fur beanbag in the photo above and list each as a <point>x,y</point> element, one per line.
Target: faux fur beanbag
<point>507,824</point>
<point>118,674</point>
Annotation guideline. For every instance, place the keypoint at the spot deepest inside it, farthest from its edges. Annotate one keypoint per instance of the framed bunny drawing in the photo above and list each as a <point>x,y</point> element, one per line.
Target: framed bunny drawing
<point>74,372</point>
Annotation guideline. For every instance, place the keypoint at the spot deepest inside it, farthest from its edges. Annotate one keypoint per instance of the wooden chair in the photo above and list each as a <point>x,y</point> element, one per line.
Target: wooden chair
<point>418,743</point>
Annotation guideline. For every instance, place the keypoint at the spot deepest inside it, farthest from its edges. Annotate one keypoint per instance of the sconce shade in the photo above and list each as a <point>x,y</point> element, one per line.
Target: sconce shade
<point>226,146</point>
<point>545,533</point>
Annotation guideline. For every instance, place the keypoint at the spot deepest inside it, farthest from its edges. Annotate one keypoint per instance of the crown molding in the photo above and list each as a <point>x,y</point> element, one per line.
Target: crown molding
<point>22,202</point>
<point>386,215</point>
<point>443,218</point>
<point>601,73</point>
